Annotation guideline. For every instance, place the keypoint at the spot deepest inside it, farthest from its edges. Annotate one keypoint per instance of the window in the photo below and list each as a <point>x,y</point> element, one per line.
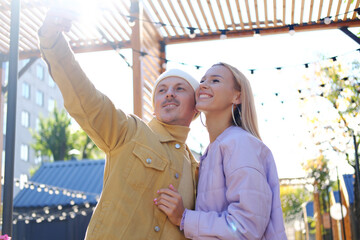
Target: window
<point>51,104</point>
<point>37,124</point>
<point>39,98</point>
<point>25,119</point>
<point>40,72</point>
<point>24,152</point>
<point>51,82</point>
<point>26,90</point>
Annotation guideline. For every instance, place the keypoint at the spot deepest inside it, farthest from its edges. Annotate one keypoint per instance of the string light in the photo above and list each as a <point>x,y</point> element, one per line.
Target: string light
<point>327,20</point>
<point>192,32</point>
<point>223,34</point>
<point>357,10</point>
<point>291,30</point>
<point>131,21</point>
<point>257,33</point>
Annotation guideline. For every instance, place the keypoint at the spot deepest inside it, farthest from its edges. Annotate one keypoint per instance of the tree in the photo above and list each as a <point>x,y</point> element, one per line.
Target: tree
<point>87,148</point>
<point>55,140</point>
<point>339,85</point>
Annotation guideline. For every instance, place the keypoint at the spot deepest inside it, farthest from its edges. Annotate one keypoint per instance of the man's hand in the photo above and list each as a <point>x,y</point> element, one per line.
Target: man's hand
<point>57,20</point>
<point>171,203</point>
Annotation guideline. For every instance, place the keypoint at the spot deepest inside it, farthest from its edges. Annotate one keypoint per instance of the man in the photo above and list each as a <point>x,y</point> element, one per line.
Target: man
<point>140,158</point>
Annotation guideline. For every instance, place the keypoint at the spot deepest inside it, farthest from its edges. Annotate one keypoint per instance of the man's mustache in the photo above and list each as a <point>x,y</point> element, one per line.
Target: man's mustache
<point>170,101</point>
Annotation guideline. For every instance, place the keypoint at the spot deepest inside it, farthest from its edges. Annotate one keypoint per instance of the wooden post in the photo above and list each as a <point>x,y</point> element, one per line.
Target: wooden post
<point>317,215</point>
<point>2,99</point>
<point>136,45</point>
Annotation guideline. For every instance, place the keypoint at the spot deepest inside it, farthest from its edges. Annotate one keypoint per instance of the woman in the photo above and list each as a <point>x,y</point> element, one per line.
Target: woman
<point>238,190</point>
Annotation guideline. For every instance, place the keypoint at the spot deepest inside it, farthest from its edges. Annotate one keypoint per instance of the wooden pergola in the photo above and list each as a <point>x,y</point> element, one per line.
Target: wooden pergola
<point>148,26</point>
<point>162,22</point>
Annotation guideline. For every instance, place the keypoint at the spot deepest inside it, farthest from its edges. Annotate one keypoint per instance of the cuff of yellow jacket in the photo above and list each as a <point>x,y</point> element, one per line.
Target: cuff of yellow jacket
<point>54,45</point>
<point>191,224</point>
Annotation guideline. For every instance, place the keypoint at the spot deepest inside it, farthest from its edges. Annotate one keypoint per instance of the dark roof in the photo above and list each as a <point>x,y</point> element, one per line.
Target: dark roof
<point>349,183</point>
<point>82,175</point>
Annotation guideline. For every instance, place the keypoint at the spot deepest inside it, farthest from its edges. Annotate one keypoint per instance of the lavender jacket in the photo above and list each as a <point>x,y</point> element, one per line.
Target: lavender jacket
<point>238,194</point>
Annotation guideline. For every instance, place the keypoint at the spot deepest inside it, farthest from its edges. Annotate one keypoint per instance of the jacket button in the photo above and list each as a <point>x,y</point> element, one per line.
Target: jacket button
<point>176,175</point>
<point>148,160</point>
<point>157,228</point>
<point>177,146</point>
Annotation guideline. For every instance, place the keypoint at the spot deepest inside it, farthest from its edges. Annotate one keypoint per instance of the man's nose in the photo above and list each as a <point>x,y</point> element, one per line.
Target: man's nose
<point>170,93</point>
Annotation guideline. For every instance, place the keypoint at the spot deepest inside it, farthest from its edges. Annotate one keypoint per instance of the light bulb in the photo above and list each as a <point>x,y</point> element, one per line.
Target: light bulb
<point>192,35</point>
<point>327,20</point>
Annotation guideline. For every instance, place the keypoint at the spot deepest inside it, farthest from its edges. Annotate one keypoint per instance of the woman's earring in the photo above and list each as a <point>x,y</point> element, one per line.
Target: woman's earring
<point>232,113</point>
<point>202,120</point>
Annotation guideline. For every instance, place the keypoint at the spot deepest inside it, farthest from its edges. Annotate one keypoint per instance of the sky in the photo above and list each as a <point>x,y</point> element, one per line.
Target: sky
<point>277,99</point>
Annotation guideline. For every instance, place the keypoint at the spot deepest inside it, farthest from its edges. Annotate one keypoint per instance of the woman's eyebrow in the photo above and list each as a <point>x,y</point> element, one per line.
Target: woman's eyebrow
<point>214,75</point>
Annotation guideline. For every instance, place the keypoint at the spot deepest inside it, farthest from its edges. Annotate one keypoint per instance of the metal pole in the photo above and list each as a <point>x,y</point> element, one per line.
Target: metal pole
<point>11,119</point>
<point>356,166</point>
<point>341,210</point>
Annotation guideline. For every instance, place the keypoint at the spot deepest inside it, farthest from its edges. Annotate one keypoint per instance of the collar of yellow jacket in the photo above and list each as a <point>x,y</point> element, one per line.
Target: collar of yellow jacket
<point>168,132</point>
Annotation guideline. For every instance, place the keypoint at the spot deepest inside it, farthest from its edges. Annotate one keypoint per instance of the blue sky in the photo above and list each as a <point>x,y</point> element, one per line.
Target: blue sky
<point>276,96</point>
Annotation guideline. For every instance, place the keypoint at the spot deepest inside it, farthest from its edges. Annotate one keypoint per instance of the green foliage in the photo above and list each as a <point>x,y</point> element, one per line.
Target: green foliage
<point>87,148</point>
<point>343,92</point>
<point>54,139</point>
<point>318,170</point>
<point>292,200</point>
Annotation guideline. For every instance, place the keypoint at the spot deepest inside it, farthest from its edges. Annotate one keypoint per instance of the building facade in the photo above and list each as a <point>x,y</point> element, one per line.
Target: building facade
<point>37,95</point>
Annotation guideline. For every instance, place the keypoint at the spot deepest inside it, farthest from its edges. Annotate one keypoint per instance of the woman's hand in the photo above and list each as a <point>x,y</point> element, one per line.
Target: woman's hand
<point>171,203</point>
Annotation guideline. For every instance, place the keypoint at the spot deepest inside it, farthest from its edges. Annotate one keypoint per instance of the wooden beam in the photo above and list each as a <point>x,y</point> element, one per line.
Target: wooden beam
<point>275,18</point>
<point>284,12</point>
<point>221,14</point>
<point>212,14</point>
<point>302,12</point>
<point>194,15</point>
<point>320,9</point>
<point>311,11</point>
<point>257,14</point>
<point>172,25</point>
<point>185,15</point>
<point>158,16</point>
<point>176,16</point>
<point>136,44</point>
<point>338,10</point>
<point>266,14</point>
<point>248,13</point>
<point>292,11</point>
<point>231,15</point>
<point>267,31</point>
<point>356,6</point>
<point>329,8</point>
<point>240,15</point>
<point>347,10</point>
<point>204,17</point>
<point>2,100</point>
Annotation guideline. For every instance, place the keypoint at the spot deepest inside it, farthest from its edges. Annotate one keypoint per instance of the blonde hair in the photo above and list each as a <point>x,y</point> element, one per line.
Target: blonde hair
<point>248,120</point>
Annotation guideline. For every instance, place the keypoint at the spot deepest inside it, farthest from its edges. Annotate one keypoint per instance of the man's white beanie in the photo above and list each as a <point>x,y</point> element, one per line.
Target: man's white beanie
<point>175,73</point>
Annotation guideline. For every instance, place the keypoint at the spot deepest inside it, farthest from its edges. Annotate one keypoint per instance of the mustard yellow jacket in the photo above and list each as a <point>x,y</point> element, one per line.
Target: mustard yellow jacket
<point>140,158</point>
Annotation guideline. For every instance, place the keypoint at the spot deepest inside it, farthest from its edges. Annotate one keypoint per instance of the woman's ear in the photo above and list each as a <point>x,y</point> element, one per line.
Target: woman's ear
<point>237,98</point>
